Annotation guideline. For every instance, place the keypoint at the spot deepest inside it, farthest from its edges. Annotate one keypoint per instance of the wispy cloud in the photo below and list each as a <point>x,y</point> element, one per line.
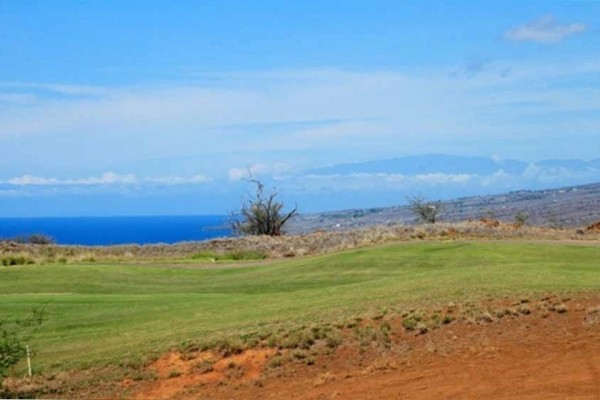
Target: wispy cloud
<point>256,170</point>
<point>59,89</point>
<point>265,117</point>
<point>533,176</point>
<point>374,181</point>
<point>312,192</point>
<point>544,30</point>
<point>107,178</point>
<point>178,180</point>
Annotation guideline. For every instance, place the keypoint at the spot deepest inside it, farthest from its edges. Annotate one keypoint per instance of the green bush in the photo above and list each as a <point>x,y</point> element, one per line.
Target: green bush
<point>11,350</point>
<point>238,255</point>
<point>7,261</point>
<point>34,238</point>
<point>241,255</point>
<point>521,218</point>
<point>12,336</point>
<point>411,321</point>
<point>41,238</point>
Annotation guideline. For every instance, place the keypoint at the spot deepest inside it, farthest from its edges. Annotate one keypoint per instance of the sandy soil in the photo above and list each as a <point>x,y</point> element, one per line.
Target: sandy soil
<point>543,355</point>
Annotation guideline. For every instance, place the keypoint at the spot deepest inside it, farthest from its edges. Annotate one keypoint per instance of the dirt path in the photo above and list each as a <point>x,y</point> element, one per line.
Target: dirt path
<point>538,356</point>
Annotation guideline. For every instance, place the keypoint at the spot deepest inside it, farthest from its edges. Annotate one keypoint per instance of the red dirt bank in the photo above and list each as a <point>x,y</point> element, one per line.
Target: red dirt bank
<point>544,355</point>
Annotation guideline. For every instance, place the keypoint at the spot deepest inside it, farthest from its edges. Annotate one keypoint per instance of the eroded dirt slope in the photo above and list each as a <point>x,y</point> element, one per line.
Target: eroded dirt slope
<point>539,351</point>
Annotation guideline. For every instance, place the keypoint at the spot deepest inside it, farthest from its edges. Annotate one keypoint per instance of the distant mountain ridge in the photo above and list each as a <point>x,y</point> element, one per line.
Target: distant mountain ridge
<point>449,164</point>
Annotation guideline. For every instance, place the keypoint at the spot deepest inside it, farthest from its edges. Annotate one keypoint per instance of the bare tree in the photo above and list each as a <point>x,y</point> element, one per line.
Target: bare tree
<point>426,211</point>
<point>261,214</point>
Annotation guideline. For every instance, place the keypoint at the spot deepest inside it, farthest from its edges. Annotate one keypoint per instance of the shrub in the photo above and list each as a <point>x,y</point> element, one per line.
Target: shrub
<point>521,218</point>
<point>12,336</point>
<point>8,261</point>
<point>524,309</point>
<point>561,308</point>
<point>174,374</point>
<point>262,215</point>
<point>40,238</point>
<point>411,321</point>
<point>426,211</point>
<point>35,238</point>
<point>333,339</point>
<point>275,362</point>
<point>205,366</point>
<point>238,255</point>
<point>241,255</point>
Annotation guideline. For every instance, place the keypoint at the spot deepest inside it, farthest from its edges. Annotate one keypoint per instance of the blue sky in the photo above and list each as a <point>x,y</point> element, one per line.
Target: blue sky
<point>129,107</point>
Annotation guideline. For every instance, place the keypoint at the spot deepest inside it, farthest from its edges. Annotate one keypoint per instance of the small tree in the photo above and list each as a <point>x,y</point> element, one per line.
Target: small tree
<point>35,238</point>
<point>426,211</point>
<point>521,218</point>
<point>261,214</point>
<point>41,238</point>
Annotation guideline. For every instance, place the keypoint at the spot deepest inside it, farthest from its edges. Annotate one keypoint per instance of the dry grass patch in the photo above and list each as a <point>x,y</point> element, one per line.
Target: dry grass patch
<point>260,247</point>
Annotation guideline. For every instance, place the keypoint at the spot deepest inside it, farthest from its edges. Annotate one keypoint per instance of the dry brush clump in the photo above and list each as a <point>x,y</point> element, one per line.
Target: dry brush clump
<point>262,214</point>
<point>258,247</point>
<point>593,228</point>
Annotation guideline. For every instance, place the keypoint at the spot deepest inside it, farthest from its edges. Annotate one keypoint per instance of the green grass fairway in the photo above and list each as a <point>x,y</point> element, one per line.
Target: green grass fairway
<point>100,314</point>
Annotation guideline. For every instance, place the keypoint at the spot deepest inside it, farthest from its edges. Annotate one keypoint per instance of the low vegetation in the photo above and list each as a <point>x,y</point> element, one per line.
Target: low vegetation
<point>521,218</point>
<point>238,255</point>
<point>13,334</point>
<point>10,260</point>
<point>36,238</point>
<point>254,247</point>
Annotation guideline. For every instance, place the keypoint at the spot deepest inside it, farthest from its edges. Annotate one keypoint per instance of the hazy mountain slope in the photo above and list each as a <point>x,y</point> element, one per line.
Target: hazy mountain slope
<point>426,164</point>
<point>449,164</point>
<point>569,206</point>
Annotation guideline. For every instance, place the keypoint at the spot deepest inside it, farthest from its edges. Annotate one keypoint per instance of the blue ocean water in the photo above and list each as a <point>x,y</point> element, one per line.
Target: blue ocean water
<point>119,230</point>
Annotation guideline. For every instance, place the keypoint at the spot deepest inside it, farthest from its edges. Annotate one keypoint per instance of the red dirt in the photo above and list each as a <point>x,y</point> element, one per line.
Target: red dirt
<point>544,355</point>
<point>177,374</point>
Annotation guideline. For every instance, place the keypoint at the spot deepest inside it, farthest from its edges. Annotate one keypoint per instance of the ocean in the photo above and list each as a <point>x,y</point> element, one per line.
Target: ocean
<point>119,230</point>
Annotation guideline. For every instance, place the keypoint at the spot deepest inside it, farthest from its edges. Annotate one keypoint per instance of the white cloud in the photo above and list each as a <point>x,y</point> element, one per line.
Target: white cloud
<point>177,180</point>
<point>441,178</point>
<point>107,178</point>
<point>237,174</point>
<point>374,181</point>
<point>534,176</point>
<point>26,180</point>
<point>256,170</point>
<point>544,30</point>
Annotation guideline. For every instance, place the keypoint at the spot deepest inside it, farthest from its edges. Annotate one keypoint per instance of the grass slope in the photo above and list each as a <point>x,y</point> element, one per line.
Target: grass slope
<point>100,314</point>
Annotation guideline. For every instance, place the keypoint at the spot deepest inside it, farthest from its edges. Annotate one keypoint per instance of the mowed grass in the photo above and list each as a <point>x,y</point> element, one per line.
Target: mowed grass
<point>103,314</point>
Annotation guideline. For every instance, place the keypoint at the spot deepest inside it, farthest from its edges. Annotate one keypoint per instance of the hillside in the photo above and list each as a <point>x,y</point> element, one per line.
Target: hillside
<point>168,330</point>
<point>566,207</point>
